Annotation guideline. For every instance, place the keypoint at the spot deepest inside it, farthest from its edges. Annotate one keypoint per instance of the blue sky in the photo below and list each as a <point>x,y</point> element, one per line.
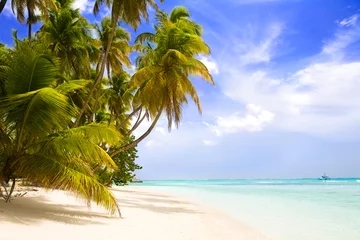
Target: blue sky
<point>286,101</point>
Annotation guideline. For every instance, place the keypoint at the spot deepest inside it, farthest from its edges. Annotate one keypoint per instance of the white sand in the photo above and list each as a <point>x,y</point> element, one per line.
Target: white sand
<point>147,215</point>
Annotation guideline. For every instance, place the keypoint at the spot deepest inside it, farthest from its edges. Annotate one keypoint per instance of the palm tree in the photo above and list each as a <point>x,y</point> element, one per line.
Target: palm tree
<point>118,55</point>
<point>119,47</point>
<point>128,11</point>
<point>29,7</point>
<point>69,37</point>
<point>115,98</point>
<point>36,142</point>
<point>165,64</point>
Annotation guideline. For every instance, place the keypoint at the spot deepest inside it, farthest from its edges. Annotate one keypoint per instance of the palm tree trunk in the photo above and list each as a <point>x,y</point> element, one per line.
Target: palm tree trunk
<point>2,5</point>
<point>100,74</point>
<point>95,106</point>
<point>110,119</point>
<point>6,192</point>
<point>108,71</point>
<point>29,20</point>
<point>103,171</point>
<point>128,117</point>
<point>137,141</point>
<point>29,31</point>
<point>11,191</point>
<point>138,119</point>
<point>1,193</point>
<point>96,168</point>
<point>136,125</point>
<point>109,183</point>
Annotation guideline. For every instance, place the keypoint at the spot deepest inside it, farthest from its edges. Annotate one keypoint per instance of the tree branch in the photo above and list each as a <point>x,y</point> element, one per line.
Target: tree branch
<point>128,117</point>
<point>137,141</point>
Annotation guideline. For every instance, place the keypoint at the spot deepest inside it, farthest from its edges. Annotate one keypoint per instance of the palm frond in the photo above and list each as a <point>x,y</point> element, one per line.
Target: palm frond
<point>97,133</point>
<point>73,85</point>
<point>37,113</point>
<point>65,175</point>
<point>145,37</point>
<point>30,70</point>
<point>178,13</point>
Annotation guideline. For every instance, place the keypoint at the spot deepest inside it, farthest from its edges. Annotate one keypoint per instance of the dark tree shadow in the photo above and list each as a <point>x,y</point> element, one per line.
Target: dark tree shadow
<point>32,210</point>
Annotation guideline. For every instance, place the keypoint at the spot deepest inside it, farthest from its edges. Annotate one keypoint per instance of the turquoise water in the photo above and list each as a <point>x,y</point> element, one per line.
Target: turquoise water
<point>296,209</point>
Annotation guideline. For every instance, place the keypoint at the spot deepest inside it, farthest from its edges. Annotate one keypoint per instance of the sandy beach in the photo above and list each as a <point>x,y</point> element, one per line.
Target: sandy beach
<point>147,214</point>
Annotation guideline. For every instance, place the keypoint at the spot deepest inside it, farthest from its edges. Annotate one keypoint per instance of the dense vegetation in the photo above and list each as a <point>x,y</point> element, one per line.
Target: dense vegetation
<point>67,106</point>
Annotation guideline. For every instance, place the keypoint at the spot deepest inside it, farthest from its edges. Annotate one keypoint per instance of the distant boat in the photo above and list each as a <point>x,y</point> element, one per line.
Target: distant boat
<point>135,180</point>
<point>324,177</point>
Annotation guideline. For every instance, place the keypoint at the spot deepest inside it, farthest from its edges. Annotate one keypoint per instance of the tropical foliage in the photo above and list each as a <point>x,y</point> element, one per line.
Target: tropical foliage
<point>63,123</point>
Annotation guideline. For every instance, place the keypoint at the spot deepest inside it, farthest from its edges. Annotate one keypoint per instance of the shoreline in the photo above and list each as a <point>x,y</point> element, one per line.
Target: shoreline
<point>147,214</point>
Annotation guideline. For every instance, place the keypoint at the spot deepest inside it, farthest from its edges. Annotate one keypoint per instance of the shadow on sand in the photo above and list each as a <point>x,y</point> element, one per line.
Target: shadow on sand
<point>153,202</point>
<point>32,210</point>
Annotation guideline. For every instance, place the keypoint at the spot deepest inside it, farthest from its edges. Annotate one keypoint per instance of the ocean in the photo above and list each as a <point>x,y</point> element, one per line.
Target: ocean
<point>282,209</point>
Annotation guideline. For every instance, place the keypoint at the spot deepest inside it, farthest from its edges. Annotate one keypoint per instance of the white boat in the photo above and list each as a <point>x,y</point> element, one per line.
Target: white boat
<point>324,177</point>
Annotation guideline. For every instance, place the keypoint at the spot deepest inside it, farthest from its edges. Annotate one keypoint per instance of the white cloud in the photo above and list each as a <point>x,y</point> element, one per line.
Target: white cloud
<point>209,143</point>
<point>161,130</point>
<point>319,98</point>
<point>351,21</point>
<point>343,38</point>
<point>211,64</point>
<point>152,143</point>
<point>85,6</point>
<point>254,120</point>
<point>252,51</point>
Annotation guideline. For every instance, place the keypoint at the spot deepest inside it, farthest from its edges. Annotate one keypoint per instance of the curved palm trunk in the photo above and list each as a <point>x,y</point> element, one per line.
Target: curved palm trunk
<point>128,118</point>
<point>136,125</point>
<point>96,168</point>
<point>102,172</point>
<point>100,75</point>
<point>138,119</point>
<point>2,5</point>
<point>137,141</point>
<point>95,106</point>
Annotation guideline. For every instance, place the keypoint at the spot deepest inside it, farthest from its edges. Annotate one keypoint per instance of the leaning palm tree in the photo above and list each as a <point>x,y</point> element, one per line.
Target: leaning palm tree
<point>128,11</point>
<point>36,141</point>
<point>162,79</point>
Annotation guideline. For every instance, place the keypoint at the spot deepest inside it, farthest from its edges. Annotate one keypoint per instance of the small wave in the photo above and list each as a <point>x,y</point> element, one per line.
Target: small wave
<point>273,182</point>
<point>358,181</point>
<point>335,181</point>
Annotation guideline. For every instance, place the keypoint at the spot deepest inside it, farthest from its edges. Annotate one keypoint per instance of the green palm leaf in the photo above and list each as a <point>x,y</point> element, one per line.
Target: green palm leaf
<point>65,175</point>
